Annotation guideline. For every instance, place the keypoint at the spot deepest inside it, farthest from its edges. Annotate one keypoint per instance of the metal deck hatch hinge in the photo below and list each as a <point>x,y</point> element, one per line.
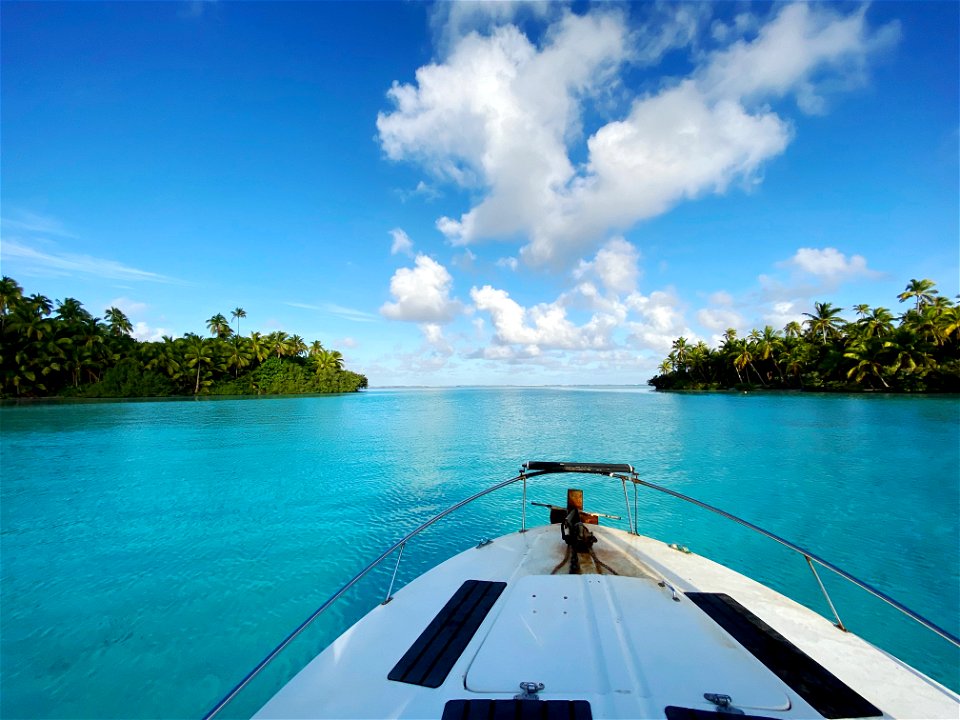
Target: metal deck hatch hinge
<point>530,690</point>
<point>676,598</point>
<point>724,703</point>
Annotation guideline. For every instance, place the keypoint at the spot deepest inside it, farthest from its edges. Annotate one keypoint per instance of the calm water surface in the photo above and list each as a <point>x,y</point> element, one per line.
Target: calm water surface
<point>153,552</point>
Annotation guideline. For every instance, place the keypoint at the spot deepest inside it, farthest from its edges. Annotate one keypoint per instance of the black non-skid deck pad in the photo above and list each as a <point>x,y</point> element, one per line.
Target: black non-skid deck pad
<point>430,659</point>
<point>517,710</point>
<point>823,690</point>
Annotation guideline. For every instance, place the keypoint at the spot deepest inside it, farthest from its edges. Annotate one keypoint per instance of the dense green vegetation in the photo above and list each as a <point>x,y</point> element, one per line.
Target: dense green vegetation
<point>919,351</point>
<point>66,351</point>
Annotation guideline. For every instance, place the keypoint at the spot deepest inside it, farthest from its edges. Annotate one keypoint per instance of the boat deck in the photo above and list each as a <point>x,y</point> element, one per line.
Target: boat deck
<point>644,631</point>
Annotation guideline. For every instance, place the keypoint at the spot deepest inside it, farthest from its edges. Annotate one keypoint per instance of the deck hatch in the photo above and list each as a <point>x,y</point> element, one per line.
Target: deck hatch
<point>823,690</point>
<point>433,654</point>
<point>517,710</point>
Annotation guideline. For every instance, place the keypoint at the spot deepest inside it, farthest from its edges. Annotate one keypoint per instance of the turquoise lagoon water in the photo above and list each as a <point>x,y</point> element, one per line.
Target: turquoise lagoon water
<point>153,552</point>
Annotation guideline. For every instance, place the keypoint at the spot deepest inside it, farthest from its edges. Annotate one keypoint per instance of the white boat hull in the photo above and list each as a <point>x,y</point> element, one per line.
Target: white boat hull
<point>613,636</point>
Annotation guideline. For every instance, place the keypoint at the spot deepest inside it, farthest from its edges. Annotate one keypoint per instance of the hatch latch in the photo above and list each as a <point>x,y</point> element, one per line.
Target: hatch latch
<point>530,690</point>
<point>724,703</point>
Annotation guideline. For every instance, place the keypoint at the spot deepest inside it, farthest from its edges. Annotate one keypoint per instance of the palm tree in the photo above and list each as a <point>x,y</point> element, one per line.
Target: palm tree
<point>118,322</point>
<point>259,347</point>
<point>40,304</point>
<point>170,356</point>
<point>793,329</point>
<point>239,356</point>
<point>315,347</point>
<point>279,343</point>
<point>30,321</point>
<point>698,355</point>
<point>672,359</point>
<point>199,355</point>
<point>24,377</point>
<point>238,313</point>
<point>297,346</point>
<point>797,360</point>
<point>861,310</point>
<point>767,344</point>
<point>951,322</point>
<point>924,324</point>
<point>922,290</point>
<point>824,321</point>
<point>740,355</point>
<point>866,356</point>
<point>83,353</point>
<point>878,322</point>
<point>680,348</point>
<point>219,327</point>
<point>10,294</point>
<point>903,353</point>
<point>937,315</point>
<point>71,310</point>
<point>328,360</point>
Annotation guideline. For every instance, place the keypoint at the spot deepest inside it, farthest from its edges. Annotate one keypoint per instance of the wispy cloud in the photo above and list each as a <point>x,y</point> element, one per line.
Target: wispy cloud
<point>304,306</point>
<point>338,310</point>
<point>349,313</point>
<point>401,242</point>
<point>13,251</point>
<point>192,9</point>
<point>28,222</point>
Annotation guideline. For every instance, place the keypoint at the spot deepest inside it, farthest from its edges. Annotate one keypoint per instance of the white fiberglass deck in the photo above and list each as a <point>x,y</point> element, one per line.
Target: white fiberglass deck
<point>618,640</point>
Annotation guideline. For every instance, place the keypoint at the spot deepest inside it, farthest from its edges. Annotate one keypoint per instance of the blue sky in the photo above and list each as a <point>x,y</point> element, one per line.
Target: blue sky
<point>480,193</point>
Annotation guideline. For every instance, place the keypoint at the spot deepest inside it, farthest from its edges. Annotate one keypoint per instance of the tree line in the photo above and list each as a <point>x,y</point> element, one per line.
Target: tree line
<point>60,349</point>
<point>916,351</point>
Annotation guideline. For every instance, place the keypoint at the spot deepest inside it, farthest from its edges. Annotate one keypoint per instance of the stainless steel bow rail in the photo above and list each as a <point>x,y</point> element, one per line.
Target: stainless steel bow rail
<point>624,473</point>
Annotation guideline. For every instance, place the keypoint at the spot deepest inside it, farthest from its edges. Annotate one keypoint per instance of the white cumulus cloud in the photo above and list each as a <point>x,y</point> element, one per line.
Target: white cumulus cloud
<point>422,293</point>
<point>781,313</point>
<point>719,318</point>
<point>504,116</point>
<point>434,338</point>
<point>661,321</point>
<point>542,326</point>
<point>146,333</point>
<point>828,263</point>
<point>498,112</point>
<point>616,266</point>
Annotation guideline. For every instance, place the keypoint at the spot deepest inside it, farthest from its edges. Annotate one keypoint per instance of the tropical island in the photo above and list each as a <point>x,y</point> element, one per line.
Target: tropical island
<point>64,351</point>
<point>917,351</point>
